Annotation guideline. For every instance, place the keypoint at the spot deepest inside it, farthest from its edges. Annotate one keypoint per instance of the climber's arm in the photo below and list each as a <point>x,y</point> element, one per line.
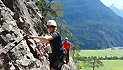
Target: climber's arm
<point>43,39</point>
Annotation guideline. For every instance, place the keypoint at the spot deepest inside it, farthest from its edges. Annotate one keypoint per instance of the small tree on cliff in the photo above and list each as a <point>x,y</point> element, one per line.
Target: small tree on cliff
<point>75,49</point>
<point>64,31</point>
<point>50,9</point>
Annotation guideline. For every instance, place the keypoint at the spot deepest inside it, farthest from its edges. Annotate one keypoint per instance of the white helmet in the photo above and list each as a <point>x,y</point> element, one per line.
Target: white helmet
<point>51,22</point>
<point>66,38</point>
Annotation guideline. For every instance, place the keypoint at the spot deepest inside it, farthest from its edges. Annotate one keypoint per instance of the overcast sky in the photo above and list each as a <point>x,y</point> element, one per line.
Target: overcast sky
<point>110,2</point>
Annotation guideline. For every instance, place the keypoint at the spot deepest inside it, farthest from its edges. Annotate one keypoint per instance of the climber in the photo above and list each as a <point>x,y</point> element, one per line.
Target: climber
<point>67,46</point>
<point>54,39</point>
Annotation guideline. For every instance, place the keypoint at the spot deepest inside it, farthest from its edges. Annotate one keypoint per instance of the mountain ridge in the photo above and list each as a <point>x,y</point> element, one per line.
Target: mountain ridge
<point>117,9</point>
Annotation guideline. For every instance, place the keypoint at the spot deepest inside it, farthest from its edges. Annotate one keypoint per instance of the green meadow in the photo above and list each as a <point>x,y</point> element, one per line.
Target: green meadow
<point>108,64</point>
<point>102,53</point>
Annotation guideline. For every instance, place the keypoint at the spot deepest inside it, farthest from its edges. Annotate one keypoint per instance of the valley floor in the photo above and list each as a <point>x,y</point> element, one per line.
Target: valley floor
<point>108,64</point>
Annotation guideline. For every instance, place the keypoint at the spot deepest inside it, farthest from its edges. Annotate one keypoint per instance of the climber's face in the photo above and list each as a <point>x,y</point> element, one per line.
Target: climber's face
<point>51,28</point>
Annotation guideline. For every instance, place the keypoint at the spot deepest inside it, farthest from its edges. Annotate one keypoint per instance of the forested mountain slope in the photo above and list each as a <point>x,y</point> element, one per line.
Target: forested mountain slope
<point>92,23</point>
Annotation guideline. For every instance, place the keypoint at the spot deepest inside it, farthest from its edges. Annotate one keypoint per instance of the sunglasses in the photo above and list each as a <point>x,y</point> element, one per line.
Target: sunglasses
<point>50,26</point>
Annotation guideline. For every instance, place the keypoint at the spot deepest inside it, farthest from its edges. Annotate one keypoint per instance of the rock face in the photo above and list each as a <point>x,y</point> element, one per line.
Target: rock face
<point>15,22</point>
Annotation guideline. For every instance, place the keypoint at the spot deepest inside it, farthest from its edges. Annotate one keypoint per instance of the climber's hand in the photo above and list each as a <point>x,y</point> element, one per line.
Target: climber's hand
<point>30,37</point>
